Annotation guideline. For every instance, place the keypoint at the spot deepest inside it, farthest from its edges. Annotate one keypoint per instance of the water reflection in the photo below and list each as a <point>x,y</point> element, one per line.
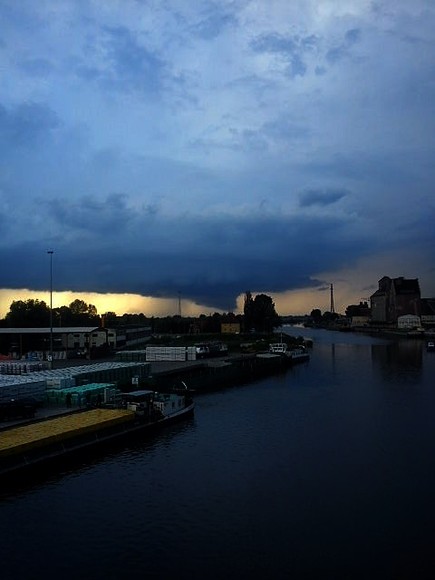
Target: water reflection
<point>395,360</point>
<point>124,452</point>
<point>400,361</point>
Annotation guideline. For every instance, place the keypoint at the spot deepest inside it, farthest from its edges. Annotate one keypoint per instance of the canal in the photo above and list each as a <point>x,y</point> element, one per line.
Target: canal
<point>326,471</point>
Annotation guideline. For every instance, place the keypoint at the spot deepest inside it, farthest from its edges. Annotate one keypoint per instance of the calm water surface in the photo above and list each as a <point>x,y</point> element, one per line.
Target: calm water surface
<point>327,471</point>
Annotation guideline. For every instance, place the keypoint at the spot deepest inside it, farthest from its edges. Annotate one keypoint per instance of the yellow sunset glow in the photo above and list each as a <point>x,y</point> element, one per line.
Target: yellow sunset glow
<point>118,303</point>
<point>296,302</point>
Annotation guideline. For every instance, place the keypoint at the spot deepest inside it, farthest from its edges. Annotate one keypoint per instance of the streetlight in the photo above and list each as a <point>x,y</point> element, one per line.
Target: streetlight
<point>50,253</point>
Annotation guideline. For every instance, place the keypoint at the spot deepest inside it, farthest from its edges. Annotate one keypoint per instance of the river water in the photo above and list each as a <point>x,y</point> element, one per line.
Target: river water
<point>326,471</point>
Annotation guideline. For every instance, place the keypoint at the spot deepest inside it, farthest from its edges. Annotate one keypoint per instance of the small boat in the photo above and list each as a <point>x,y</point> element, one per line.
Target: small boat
<point>430,346</point>
<point>293,355</point>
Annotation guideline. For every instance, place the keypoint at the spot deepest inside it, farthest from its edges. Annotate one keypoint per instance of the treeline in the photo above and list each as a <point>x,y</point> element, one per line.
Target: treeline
<point>259,315</point>
<point>36,314</point>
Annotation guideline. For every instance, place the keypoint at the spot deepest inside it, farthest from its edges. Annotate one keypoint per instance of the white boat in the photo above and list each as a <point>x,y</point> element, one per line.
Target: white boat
<point>278,348</point>
<point>297,354</point>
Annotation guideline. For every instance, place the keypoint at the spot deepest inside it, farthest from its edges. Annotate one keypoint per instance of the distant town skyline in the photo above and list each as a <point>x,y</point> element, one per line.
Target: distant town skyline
<point>205,149</point>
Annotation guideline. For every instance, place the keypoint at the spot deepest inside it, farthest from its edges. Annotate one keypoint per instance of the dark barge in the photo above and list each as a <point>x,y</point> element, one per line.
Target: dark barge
<point>28,446</point>
<point>215,374</point>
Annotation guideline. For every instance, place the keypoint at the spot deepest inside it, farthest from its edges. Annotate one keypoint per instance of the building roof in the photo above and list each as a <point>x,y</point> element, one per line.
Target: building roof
<point>406,286</point>
<point>401,286</point>
<point>47,330</point>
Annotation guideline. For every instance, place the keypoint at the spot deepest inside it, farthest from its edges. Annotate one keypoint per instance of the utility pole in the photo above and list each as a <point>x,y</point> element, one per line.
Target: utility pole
<point>50,253</point>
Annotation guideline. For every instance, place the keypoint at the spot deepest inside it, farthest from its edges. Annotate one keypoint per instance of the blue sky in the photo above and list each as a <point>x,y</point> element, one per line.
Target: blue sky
<point>199,149</point>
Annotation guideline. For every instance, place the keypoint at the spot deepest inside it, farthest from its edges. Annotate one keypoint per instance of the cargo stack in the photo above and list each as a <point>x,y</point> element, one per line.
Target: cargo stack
<point>21,387</point>
<point>191,353</point>
<point>131,356</point>
<point>90,395</point>
<point>122,373</point>
<point>21,367</point>
<point>165,353</point>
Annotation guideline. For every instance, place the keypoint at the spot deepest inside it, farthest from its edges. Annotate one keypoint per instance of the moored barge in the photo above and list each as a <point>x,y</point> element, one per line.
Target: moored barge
<point>139,412</point>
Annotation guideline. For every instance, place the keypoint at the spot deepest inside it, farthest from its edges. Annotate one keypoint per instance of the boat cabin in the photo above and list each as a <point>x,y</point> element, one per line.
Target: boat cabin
<point>137,401</point>
<point>169,403</point>
<point>145,402</point>
<point>278,347</point>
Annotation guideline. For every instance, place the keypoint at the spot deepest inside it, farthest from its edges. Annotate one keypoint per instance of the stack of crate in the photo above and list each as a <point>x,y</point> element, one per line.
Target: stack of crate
<point>165,353</point>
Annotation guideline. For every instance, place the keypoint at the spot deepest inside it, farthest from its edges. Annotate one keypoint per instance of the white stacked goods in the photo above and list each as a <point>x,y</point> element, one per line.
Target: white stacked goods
<point>131,356</point>
<point>68,377</point>
<point>191,353</point>
<point>61,382</point>
<point>165,353</point>
<point>20,367</point>
<point>19,387</point>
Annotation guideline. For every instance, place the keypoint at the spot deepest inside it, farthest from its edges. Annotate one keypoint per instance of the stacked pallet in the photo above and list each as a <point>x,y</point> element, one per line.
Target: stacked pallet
<point>21,387</point>
<point>93,394</point>
<point>165,353</point>
<point>131,356</point>
<point>60,382</point>
<point>108,372</point>
<point>21,367</point>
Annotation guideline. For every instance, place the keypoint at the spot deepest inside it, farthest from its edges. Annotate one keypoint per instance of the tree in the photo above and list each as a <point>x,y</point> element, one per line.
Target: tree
<point>316,315</point>
<point>329,317</point>
<point>110,319</point>
<point>248,311</point>
<point>260,313</point>
<point>265,316</point>
<point>63,316</point>
<point>28,313</point>
<point>83,313</point>
<point>78,307</point>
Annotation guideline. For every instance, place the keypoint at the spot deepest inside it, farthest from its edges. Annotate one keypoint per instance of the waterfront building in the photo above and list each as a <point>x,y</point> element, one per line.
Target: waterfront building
<point>408,322</point>
<point>230,328</point>
<point>395,297</point>
<point>70,342</point>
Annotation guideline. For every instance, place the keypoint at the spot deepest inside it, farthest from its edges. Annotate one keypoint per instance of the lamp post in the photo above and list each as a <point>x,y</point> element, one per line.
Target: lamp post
<point>50,253</point>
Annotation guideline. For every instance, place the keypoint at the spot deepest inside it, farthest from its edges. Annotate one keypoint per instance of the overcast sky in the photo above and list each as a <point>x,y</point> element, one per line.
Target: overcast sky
<point>168,148</point>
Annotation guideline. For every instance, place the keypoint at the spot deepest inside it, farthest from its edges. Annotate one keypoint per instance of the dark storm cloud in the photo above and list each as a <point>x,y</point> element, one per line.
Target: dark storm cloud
<point>92,215</point>
<point>244,162</point>
<point>210,260</point>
